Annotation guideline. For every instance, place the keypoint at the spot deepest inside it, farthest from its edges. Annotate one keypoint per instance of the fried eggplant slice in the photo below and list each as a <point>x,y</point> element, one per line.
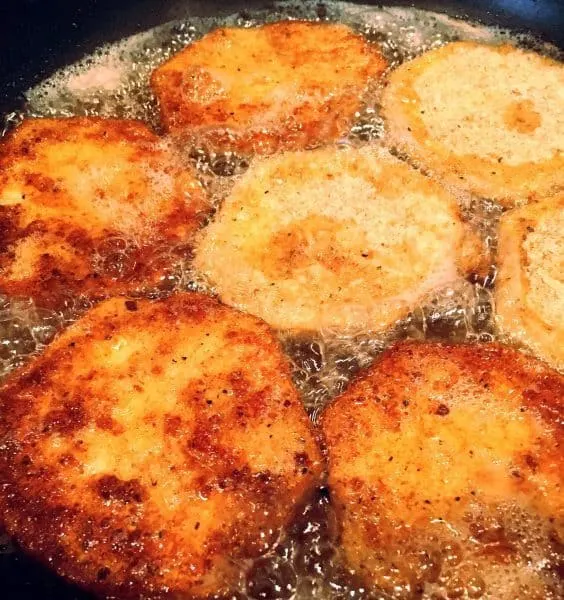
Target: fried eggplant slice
<point>283,85</point>
<point>446,469</point>
<point>486,119</point>
<point>92,207</point>
<point>529,288</point>
<point>339,239</point>
<point>154,448</point>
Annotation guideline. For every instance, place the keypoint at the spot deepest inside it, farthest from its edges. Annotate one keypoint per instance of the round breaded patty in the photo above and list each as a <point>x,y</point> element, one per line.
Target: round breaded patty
<point>90,206</point>
<point>529,289</point>
<point>446,469</point>
<point>288,84</point>
<point>154,447</point>
<point>486,119</point>
<point>345,239</point>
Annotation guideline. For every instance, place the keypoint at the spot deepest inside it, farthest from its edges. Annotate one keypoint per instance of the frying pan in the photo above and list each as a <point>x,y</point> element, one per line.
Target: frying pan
<point>39,36</point>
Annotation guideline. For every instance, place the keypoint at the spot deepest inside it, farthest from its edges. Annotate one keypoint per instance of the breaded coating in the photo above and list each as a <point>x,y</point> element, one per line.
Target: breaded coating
<point>446,470</point>
<point>91,206</point>
<point>344,239</point>
<point>486,119</point>
<point>154,447</point>
<point>529,289</point>
<point>285,85</point>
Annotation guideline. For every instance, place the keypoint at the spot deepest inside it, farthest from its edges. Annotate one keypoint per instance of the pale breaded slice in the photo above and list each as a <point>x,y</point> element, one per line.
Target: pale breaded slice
<point>288,84</point>
<point>87,206</point>
<point>446,470</point>
<point>154,447</point>
<point>345,239</point>
<point>486,119</point>
<point>529,289</point>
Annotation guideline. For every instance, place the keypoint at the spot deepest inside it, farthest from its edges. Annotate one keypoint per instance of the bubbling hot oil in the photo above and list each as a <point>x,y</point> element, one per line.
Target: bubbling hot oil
<point>113,82</point>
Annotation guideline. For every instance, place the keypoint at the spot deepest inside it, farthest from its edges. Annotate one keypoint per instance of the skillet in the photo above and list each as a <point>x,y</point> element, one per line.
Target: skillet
<point>39,37</point>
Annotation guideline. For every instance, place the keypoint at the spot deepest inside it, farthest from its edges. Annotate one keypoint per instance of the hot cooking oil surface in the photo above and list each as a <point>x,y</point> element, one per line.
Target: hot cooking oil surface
<point>114,82</point>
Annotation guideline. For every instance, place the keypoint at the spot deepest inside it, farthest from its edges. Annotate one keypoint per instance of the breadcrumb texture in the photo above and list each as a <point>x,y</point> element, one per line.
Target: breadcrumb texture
<point>345,239</point>
<point>529,291</point>
<point>154,447</point>
<point>288,84</point>
<point>486,119</point>
<point>90,206</point>
<point>432,452</point>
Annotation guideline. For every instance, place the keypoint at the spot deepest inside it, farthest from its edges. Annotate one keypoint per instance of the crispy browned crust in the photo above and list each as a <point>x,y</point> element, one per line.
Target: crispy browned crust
<point>285,85</point>
<point>152,446</point>
<point>428,445</point>
<point>74,193</point>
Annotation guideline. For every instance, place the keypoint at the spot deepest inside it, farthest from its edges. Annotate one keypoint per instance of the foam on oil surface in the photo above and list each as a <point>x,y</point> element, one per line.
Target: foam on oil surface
<point>114,82</point>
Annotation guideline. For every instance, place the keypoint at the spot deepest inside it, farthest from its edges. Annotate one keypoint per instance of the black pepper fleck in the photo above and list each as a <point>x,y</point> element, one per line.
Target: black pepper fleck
<point>442,410</point>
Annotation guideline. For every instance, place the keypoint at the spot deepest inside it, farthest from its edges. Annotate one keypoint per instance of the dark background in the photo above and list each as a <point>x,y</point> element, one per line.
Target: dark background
<point>39,36</point>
